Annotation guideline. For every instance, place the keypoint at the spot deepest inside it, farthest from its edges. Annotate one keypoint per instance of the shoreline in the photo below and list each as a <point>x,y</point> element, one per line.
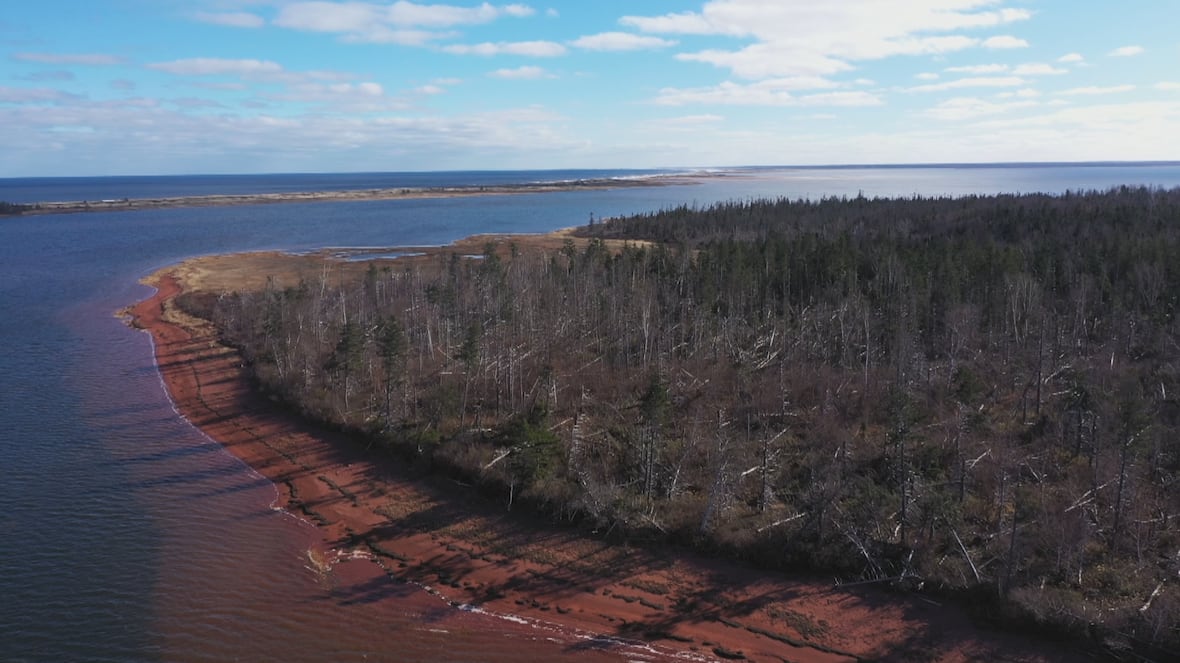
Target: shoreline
<point>432,532</point>
<point>357,195</point>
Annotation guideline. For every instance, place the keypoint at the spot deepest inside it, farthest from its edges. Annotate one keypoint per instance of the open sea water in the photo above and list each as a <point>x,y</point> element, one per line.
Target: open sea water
<point>126,535</point>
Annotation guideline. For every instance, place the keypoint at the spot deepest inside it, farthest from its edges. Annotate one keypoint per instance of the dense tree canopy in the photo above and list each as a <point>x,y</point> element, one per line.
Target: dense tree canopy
<point>967,394</point>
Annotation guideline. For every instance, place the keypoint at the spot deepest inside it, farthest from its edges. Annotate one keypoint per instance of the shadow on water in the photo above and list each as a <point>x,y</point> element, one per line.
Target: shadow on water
<point>379,588</point>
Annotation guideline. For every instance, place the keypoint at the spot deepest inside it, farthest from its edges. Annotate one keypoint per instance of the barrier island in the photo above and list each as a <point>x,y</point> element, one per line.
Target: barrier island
<point>832,430</point>
<point>351,195</point>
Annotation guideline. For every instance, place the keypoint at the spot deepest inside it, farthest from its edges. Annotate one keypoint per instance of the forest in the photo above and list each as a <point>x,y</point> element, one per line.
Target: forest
<point>12,209</point>
<point>973,397</point>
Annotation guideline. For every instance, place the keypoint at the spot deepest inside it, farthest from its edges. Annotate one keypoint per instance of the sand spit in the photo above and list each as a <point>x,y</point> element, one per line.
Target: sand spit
<point>133,204</point>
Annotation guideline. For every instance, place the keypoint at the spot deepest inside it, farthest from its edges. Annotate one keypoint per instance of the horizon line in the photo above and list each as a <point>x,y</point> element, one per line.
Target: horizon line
<point>652,170</point>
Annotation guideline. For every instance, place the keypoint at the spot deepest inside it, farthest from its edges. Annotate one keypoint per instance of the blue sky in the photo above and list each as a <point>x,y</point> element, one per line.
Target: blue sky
<point>106,87</point>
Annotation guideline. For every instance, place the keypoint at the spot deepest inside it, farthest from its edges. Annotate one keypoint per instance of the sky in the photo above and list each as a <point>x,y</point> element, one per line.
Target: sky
<point>140,87</point>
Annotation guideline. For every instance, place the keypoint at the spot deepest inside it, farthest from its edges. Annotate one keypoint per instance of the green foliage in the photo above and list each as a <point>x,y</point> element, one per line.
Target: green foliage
<point>439,403</point>
<point>966,385</point>
<point>536,450</point>
<point>347,356</point>
<point>654,402</point>
<point>391,342</point>
<point>468,352</point>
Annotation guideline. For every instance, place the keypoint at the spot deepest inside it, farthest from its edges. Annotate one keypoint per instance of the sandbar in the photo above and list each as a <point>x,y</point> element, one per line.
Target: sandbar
<point>357,195</point>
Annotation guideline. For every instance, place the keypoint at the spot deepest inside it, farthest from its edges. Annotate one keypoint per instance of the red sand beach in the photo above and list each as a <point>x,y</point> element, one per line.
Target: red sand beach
<point>442,535</point>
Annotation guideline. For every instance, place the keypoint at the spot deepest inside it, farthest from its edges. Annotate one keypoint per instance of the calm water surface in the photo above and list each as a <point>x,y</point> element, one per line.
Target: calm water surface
<point>125,535</point>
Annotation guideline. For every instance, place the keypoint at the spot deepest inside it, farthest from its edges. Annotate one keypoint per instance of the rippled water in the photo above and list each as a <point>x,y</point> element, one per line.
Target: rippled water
<point>126,535</point>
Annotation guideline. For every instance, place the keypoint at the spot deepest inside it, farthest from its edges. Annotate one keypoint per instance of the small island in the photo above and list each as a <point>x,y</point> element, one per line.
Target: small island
<point>834,430</point>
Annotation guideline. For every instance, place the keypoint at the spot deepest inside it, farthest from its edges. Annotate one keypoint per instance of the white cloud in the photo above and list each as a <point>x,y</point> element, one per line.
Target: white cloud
<point>684,124</point>
<point>231,19</point>
<point>406,37</point>
<point>706,118</point>
<point>1026,93</point>
<point>1167,86</point>
<point>328,90</point>
<point>926,76</point>
<point>354,97</point>
<point>109,138</point>
<point>333,92</point>
<point>685,23</point>
<point>966,108</point>
<point>1098,90</point>
<point>846,99</point>
<point>765,60</point>
<point>768,61</point>
<point>438,86</point>
<point>407,14</point>
<point>775,92</point>
<point>520,73</point>
<point>89,59</point>
<point>1127,131</point>
<point>751,17</point>
<point>518,10</point>
<point>823,38</point>
<point>441,16</point>
<point>353,18</point>
<point>1071,58</point>
<point>1077,132</point>
<point>217,67</point>
<point>402,22</point>
<point>537,49</point>
<point>370,89</point>
<point>1126,51</point>
<point>1037,69</point>
<point>979,69</point>
<point>318,75</point>
<point>974,81</point>
<point>1027,69</point>
<point>1004,41</point>
<point>620,41</point>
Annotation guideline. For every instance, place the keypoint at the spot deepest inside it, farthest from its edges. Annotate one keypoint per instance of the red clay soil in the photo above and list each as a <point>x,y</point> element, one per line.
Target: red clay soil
<point>438,534</point>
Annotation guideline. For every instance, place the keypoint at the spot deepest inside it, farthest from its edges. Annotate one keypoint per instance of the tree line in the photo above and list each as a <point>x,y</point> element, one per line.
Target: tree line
<point>12,209</point>
<point>973,394</point>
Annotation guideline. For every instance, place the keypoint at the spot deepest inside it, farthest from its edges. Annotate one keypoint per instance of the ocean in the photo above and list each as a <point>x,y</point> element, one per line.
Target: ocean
<point>126,535</point>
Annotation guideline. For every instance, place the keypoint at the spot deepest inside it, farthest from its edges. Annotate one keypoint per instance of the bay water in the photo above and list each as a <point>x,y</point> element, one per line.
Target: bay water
<point>126,535</point>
